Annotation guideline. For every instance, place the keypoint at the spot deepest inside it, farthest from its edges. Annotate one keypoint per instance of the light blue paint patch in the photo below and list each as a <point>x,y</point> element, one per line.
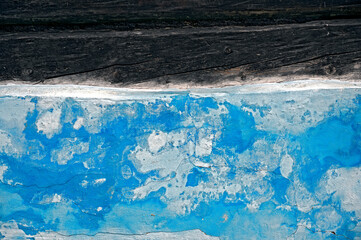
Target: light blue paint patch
<point>256,162</point>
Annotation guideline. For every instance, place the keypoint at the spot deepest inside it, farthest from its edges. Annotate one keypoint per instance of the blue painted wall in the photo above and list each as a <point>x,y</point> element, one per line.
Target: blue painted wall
<point>227,163</point>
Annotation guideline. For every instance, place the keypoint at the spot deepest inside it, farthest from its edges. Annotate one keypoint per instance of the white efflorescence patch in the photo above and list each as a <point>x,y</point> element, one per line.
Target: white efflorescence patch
<point>156,141</point>
<point>99,181</point>
<point>78,123</point>
<point>174,155</point>
<point>93,120</point>
<point>84,183</point>
<point>184,235</point>
<point>69,147</point>
<point>85,164</point>
<point>13,113</point>
<point>165,161</point>
<point>48,121</point>
<point>5,142</point>
<point>328,219</point>
<point>344,183</point>
<point>264,154</point>
<point>162,151</point>
<point>56,198</point>
<point>3,169</point>
<point>11,230</point>
<point>301,197</point>
<point>204,146</point>
<point>11,145</point>
<point>291,112</point>
<point>177,138</point>
<point>181,199</point>
<point>286,165</point>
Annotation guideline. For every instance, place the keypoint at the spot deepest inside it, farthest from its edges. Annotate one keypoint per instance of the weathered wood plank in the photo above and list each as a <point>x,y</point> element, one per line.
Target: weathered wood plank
<point>330,49</point>
<point>106,11</point>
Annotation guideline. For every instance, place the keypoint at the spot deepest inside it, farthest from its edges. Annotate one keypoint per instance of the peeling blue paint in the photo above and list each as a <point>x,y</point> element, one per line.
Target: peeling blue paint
<point>236,165</point>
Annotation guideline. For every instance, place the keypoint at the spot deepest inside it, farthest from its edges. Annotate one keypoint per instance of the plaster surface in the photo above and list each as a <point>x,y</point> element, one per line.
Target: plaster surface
<point>270,161</point>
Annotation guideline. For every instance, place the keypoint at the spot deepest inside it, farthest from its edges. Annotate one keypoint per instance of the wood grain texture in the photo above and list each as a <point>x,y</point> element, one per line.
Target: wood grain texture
<point>330,49</point>
<point>255,12</point>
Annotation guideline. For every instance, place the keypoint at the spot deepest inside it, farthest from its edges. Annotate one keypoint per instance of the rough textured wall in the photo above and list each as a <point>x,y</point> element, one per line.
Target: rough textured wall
<point>252,162</point>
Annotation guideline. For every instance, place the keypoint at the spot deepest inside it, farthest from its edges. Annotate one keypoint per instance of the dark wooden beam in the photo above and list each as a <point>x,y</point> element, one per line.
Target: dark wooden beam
<point>150,12</point>
<point>330,49</point>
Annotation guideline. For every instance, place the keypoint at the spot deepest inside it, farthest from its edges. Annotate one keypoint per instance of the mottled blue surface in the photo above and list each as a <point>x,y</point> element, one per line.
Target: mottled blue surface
<point>182,165</point>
